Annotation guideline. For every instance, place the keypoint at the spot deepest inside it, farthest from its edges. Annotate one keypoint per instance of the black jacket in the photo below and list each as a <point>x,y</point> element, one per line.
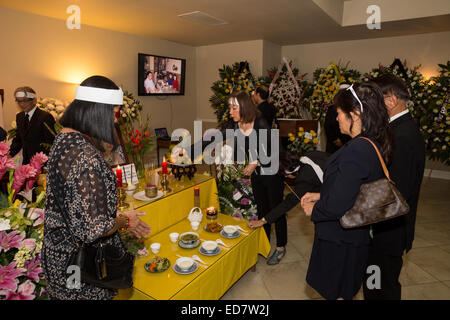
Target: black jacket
<point>30,139</point>
<point>305,181</point>
<point>267,112</point>
<point>347,169</point>
<point>406,170</point>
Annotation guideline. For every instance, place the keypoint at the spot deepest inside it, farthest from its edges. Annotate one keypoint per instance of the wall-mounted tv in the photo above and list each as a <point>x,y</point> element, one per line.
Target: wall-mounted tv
<point>159,75</point>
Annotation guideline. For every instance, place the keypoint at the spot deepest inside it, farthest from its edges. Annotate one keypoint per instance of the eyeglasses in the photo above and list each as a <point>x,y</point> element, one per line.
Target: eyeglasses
<point>356,97</point>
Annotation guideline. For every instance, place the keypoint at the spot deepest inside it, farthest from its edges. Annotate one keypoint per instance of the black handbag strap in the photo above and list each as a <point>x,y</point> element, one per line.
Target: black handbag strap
<point>383,165</point>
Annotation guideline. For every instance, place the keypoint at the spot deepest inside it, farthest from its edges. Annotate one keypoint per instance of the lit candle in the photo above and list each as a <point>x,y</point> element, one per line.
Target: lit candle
<point>164,166</point>
<point>119,176</point>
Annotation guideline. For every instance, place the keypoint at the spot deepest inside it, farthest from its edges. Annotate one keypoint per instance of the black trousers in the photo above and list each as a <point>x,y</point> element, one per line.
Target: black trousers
<point>390,267</point>
<point>268,193</point>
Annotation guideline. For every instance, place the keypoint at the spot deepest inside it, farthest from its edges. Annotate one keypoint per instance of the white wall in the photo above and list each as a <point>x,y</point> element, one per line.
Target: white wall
<point>425,49</point>
<point>42,53</point>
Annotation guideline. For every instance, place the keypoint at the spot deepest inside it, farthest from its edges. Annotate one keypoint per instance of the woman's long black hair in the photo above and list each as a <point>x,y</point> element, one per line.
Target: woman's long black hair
<point>374,118</point>
<point>93,119</point>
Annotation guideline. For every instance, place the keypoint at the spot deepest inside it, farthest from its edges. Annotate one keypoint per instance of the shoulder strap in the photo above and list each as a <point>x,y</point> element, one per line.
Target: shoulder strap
<point>383,165</point>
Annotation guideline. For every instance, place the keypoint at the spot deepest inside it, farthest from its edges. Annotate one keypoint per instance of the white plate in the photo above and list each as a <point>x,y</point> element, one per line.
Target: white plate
<point>210,254</point>
<point>189,271</point>
<point>141,196</point>
<point>230,236</point>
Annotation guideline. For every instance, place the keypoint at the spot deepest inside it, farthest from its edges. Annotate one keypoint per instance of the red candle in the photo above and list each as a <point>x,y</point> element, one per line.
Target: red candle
<point>119,176</point>
<point>164,166</point>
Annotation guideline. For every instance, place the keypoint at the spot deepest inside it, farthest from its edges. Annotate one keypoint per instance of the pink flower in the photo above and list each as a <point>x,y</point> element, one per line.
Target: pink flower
<point>253,218</point>
<point>30,244</point>
<point>238,215</point>
<point>8,277</point>
<point>4,149</point>
<point>37,215</point>
<point>11,240</point>
<point>6,163</point>
<point>244,201</point>
<point>25,292</point>
<point>37,161</point>
<point>33,268</point>
<point>21,175</point>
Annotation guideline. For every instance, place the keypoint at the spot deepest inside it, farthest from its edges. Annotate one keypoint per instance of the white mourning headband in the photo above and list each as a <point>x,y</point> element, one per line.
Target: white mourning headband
<point>22,94</point>
<point>100,95</point>
<point>233,101</point>
<point>356,96</point>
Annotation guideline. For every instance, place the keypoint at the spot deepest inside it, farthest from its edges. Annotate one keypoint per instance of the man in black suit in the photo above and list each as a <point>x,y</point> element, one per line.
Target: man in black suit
<point>31,130</point>
<point>259,97</point>
<point>392,237</point>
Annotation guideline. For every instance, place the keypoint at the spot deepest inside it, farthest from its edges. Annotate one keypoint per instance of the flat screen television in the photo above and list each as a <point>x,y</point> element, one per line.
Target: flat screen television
<point>159,75</point>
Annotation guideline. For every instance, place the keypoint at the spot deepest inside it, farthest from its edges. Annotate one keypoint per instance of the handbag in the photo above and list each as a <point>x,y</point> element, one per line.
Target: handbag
<point>101,264</point>
<point>377,201</point>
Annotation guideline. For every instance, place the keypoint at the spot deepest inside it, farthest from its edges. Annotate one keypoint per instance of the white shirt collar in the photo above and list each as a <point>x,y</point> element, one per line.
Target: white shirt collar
<point>30,114</point>
<point>398,115</point>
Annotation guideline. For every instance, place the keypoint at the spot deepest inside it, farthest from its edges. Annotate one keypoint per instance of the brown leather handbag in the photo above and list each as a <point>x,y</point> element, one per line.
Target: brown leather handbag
<point>377,201</point>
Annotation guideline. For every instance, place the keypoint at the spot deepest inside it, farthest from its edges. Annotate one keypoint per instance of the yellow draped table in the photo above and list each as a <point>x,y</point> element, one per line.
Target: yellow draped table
<point>168,215</point>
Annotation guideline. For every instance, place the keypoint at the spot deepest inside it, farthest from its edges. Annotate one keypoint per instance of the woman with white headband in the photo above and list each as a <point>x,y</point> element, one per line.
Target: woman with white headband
<point>338,257</point>
<point>81,198</point>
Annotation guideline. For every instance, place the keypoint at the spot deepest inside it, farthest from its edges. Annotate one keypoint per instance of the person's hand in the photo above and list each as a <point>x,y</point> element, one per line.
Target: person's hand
<point>138,227</point>
<point>308,208</point>
<point>255,224</point>
<point>310,197</point>
<point>248,170</point>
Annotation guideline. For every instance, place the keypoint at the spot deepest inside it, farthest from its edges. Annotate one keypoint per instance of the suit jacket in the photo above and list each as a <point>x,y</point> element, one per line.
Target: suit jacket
<point>30,139</point>
<point>406,170</point>
<point>267,112</point>
<point>347,169</point>
<point>305,181</point>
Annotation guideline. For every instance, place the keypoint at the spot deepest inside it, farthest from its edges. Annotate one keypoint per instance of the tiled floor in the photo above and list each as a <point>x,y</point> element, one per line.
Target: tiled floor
<point>426,269</point>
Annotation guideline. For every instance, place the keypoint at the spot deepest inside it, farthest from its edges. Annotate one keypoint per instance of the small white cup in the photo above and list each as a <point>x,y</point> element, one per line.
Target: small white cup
<point>174,237</point>
<point>155,247</point>
<point>195,225</point>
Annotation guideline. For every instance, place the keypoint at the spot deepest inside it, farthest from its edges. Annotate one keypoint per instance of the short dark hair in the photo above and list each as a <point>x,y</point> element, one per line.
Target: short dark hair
<point>263,92</point>
<point>93,119</point>
<point>390,84</point>
<point>247,109</point>
<point>374,118</point>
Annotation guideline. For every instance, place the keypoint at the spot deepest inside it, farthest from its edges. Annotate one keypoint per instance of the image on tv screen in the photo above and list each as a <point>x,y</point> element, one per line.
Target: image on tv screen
<point>160,75</point>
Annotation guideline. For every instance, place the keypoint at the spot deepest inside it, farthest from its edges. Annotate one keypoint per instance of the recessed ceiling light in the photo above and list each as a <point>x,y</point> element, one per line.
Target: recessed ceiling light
<point>202,17</point>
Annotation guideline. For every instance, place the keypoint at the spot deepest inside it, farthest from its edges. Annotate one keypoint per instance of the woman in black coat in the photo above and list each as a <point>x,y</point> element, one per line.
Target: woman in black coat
<point>339,255</point>
<point>256,144</point>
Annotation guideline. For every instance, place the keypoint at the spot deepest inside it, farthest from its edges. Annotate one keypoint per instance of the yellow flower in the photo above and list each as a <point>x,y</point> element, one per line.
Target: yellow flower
<point>300,133</point>
<point>328,76</point>
<point>306,140</point>
<point>315,94</point>
<point>315,141</point>
<point>227,90</point>
<point>301,129</point>
<point>314,134</point>
<point>225,80</point>
<point>290,134</point>
<point>232,79</point>
<point>239,88</point>
<point>220,86</point>
<point>245,86</point>
<point>245,70</point>
<point>332,88</point>
<point>292,138</point>
<point>343,79</point>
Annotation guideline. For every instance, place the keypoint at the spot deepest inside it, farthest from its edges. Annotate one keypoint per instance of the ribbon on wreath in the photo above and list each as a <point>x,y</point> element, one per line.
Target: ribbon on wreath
<point>302,113</point>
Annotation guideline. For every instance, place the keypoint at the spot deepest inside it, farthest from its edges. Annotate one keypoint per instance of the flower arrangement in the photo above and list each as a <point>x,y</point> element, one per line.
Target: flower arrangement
<point>435,119</point>
<point>137,143</point>
<point>133,244</point>
<point>302,141</point>
<point>53,106</point>
<point>284,96</point>
<point>325,86</point>
<point>234,189</point>
<point>232,78</point>
<point>131,109</point>
<point>21,233</point>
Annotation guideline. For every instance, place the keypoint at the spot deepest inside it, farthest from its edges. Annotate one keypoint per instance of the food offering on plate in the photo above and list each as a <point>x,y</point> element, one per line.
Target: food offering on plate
<point>230,232</point>
<point>189,240</point>
<point>157,264</point>
<point>185,265</point>
<point>213,227</point>
<point>211,213</point>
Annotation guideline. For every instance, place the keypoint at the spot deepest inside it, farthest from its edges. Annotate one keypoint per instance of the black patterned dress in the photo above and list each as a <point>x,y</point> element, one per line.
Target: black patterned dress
<point>79,180</point>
